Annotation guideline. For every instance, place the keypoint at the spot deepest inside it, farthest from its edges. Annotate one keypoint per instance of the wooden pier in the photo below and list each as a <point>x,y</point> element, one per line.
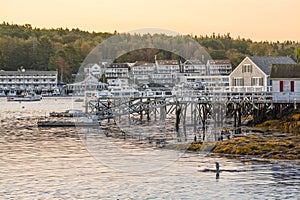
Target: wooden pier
<point>192,112</point>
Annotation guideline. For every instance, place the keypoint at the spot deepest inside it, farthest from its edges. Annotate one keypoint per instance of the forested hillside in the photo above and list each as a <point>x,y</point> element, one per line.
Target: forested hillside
<point>51,49</point>
<point>45,49</point>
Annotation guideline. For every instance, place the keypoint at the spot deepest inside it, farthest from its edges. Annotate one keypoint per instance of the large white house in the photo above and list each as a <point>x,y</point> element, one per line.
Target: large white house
<point>253,73</point>
<point>28,80</point>
<point>285,82</point>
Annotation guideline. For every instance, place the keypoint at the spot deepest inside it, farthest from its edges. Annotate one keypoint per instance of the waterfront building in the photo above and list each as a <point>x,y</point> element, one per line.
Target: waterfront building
<point>211,83</point>
<point>141,72</point>
<point>219,67</point>
<point>28,80</point>
<point>167,66</point>
<point>90,83</point>
<point>117,70</point>
<point>193,68</point>
<point>253,73</point>
<point>116,73</point>
<point>165,72</point>
<point>285,82</point>
<point>94,69</point>
<point>190,71</point>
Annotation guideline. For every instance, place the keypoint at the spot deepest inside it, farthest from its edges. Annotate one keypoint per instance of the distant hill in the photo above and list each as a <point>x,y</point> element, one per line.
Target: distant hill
<point>64,49</point>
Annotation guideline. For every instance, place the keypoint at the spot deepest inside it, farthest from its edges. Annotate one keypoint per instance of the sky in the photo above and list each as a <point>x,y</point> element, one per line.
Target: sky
<point>259,20</point>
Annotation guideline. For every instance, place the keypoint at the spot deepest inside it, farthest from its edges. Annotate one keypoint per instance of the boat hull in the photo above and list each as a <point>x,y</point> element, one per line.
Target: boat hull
<point>66,124</point>
<point>16,98</point>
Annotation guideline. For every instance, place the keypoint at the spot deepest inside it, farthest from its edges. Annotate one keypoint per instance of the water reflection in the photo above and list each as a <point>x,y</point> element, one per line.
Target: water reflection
<point>287,174</point>
<point>217,175</point>
<point>55,164</point>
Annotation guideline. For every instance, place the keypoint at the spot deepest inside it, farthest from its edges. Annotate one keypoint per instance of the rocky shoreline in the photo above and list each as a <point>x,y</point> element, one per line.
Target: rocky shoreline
<point>273,139</point>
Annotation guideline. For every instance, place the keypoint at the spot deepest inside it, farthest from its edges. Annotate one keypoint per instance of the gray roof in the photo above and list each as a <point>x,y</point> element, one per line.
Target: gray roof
<point>265,63</point>
<point>219,62</point>
<point>28,73</point>
<point>285,72</point>
<point>168,62</point>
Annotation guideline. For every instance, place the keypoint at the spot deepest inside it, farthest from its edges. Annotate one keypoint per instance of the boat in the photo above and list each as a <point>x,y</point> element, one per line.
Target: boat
<point>78,100</point>
<point>85,122</point>
<point>68,113</point>
<point>49,92</point>
<point>124,91</point>
<point>25,96</point>
<point>66,124</point>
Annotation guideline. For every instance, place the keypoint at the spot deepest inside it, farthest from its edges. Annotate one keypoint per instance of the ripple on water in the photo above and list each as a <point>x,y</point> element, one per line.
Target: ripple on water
<point>54,163</point>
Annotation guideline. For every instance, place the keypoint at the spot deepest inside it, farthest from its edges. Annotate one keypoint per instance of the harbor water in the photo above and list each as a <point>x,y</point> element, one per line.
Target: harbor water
<point>62,163</point>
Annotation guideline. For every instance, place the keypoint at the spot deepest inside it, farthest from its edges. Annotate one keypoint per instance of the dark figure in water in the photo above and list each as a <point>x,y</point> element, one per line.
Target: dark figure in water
<point>217,167</point>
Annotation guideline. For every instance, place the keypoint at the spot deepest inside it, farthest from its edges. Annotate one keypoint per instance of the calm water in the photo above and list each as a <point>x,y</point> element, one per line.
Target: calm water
<point>58,164</point>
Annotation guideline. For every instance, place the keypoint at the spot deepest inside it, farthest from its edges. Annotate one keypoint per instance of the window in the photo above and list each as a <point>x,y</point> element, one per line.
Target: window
<point>257,81</point>
<point>286,86</point>
<point>238,81</point>
<point>281,86</point>
<point>292,86</point>
<point>247,68</point>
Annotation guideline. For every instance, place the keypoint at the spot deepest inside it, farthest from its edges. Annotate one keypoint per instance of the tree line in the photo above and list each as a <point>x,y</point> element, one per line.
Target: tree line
<point>65,50</point>
<point>45,49</point>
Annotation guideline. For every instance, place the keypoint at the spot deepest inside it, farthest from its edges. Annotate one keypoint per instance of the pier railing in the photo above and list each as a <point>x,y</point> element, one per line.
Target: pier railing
<point>213,95</point>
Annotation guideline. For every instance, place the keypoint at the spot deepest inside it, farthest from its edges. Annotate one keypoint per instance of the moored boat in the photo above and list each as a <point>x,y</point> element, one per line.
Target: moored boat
<point>25,96</point>
<point>66,124</point>
<point>68,113</point>
<point>124,91</point>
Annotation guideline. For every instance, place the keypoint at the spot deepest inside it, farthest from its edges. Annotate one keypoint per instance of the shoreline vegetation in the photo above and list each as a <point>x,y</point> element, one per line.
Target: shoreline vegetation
<point>272,139</point>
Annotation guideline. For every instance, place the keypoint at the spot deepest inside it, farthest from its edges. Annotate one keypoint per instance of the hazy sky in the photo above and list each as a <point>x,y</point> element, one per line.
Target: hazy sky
<point>255,19</point>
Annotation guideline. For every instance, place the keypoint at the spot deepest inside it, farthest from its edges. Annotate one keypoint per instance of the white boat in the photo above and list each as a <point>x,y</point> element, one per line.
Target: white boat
<point>124,91</point>
<point>48,92</point>
<point>25,96</point>
<point>56,92</point>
